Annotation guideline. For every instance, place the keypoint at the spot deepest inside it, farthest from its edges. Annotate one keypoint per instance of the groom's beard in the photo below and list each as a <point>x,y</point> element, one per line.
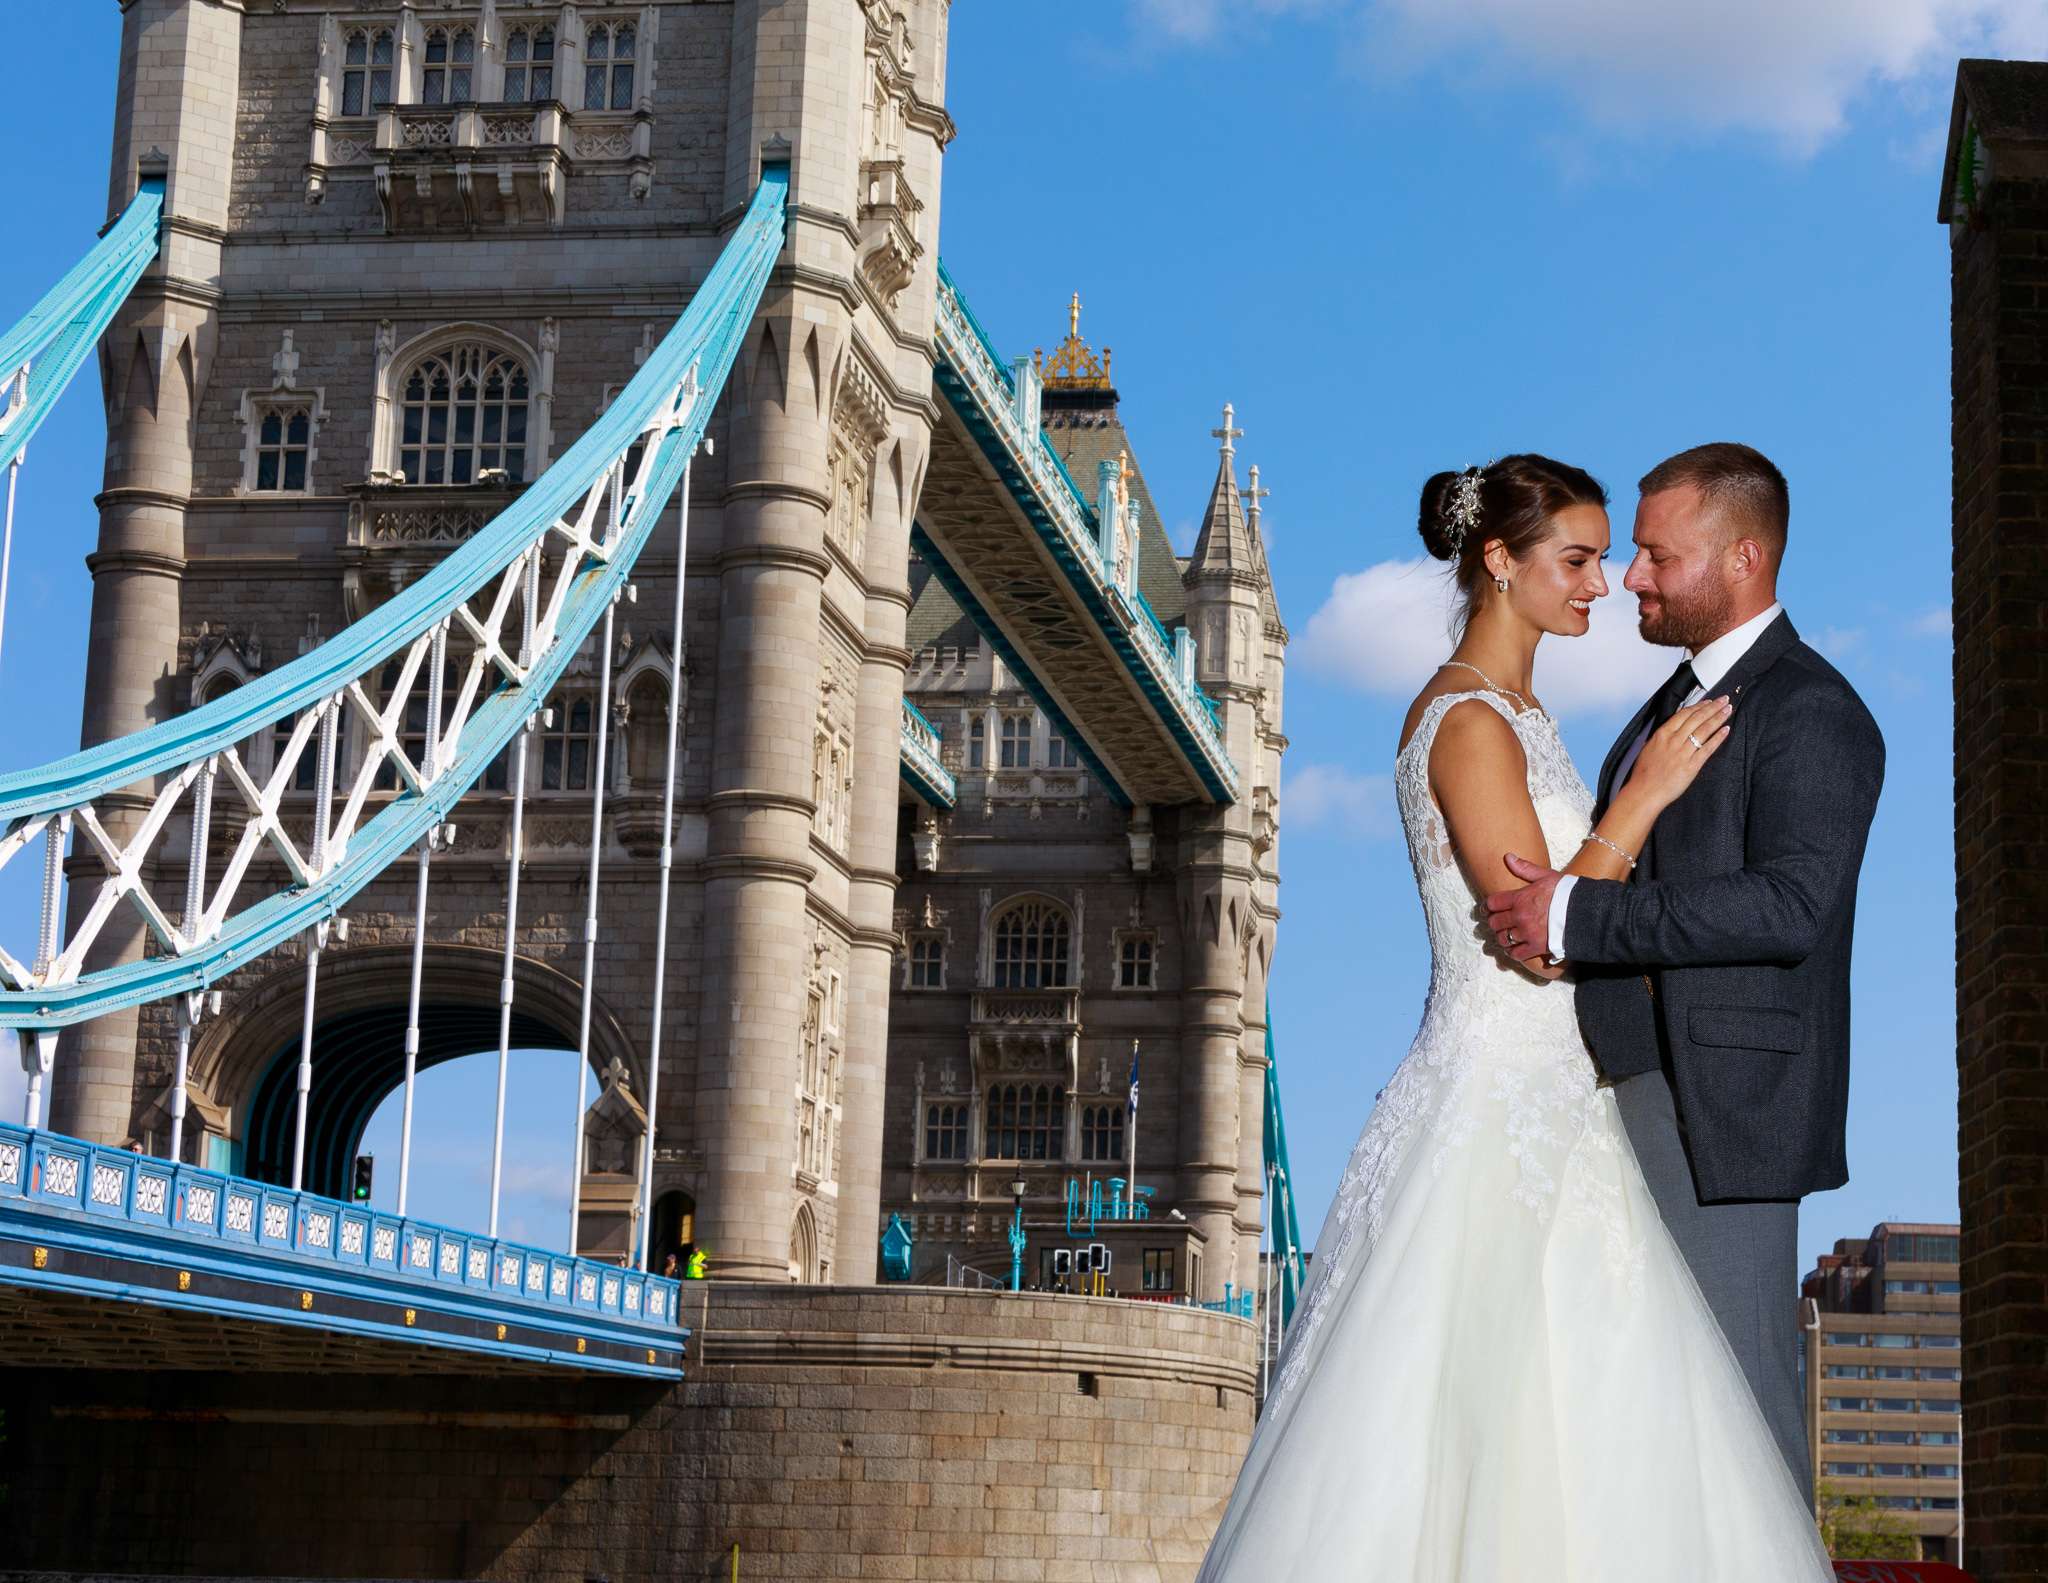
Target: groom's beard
<point>1690,620</point>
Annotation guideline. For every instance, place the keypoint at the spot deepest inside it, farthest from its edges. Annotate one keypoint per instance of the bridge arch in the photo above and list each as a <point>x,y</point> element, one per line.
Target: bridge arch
<point>249,1060</point>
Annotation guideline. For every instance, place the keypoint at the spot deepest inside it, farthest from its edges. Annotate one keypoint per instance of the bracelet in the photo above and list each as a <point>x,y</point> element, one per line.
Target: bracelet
<point>1617,851</point>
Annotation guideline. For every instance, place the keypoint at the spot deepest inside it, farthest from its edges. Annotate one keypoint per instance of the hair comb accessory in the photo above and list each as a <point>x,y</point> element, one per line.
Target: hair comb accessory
<point>1461,513</point>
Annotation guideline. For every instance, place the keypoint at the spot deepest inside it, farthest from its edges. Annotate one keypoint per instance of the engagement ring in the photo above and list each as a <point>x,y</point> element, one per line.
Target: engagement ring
<point>1697,744</point>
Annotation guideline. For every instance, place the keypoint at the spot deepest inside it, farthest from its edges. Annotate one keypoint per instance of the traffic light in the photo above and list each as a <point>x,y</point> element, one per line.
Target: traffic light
<point>359,1190</point>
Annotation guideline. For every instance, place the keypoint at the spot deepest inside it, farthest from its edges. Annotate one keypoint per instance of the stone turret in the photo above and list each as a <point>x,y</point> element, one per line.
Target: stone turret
<point>1226,901</point>
<point>154,363</point>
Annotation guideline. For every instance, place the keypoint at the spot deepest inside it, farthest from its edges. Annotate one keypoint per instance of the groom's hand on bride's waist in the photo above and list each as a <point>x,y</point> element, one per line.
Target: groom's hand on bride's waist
<point>1520,919</point>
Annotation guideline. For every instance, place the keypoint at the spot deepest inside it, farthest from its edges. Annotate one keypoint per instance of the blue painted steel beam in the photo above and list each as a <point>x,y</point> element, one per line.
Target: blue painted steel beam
<point>56,335</point>
<point>1216,773</point>
<point>922,770</point>
<point>1019,666</point>
<point>706,338</point>
<point>130,1228</point>
<point>1285,1221</point>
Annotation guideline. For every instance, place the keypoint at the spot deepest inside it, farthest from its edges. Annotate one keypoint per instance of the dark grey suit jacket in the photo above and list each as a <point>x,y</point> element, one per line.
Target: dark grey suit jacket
<point>1725,958</point>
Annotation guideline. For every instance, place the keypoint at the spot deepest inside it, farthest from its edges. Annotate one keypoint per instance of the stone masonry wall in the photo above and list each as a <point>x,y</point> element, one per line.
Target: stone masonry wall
<point>850,1432</point>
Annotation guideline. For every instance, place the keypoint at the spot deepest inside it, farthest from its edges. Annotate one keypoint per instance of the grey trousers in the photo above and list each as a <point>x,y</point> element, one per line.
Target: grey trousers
<point>1745,1257</point>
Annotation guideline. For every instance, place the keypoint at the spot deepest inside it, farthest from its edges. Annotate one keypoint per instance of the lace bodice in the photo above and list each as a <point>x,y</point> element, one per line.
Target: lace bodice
<point>1498,1046</point>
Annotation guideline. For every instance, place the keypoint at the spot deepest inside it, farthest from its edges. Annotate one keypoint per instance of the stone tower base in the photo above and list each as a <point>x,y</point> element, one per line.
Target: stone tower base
<point>829,1432</point>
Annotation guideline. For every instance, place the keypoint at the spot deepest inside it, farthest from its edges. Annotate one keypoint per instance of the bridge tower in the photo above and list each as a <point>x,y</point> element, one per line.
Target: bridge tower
<point>175,118</point>
<point>799,877</point>
<point>375,211</point>
<point>1230,879</point>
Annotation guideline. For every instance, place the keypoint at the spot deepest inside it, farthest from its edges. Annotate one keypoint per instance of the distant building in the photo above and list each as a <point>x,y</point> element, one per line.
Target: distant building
<point>1882,1359</point>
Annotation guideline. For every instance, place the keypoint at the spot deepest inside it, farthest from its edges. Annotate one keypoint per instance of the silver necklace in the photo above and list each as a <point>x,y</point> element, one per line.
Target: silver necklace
<point>1496,686</point>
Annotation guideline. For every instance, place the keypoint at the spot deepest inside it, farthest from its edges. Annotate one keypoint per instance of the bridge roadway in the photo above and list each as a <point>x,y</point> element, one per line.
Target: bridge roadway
<point>110,1259</point>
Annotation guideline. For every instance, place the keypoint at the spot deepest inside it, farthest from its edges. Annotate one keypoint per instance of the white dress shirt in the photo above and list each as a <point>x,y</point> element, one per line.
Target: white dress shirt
<point>1709,665</point>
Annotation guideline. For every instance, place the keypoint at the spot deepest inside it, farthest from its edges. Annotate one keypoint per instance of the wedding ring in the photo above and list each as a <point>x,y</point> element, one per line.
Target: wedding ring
<point>1697,744</point>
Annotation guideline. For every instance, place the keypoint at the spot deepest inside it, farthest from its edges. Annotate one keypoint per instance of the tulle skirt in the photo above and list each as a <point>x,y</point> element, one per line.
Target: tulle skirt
<point>1513,1377</point>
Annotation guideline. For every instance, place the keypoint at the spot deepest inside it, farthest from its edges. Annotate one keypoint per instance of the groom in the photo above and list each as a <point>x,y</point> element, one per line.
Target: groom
<point>1714,984</point>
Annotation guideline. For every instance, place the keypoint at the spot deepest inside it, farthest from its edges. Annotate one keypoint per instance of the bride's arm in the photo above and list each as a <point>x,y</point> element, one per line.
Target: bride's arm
<point>1479,776</point>
<point>1668,764</point>
<point>1480,779</point>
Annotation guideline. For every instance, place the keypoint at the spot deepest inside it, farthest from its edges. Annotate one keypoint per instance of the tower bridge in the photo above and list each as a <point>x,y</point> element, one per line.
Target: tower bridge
<point>575,573</point>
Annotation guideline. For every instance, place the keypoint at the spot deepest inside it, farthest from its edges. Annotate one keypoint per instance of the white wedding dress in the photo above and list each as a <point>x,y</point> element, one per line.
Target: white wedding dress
<point>1502,1370</point>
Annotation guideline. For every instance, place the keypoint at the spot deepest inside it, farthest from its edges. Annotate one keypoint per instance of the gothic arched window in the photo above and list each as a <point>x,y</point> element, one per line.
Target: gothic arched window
<point>462,413</point>
<point>608,65</point>
<point>945,1132</point>
<point>367,55</point>
<point>449,74</point>
<point>1102,1132</point>
<point>567,746</point>
<point>1025,1121</point>
<point>1033,945</point>
<point>530,64</point>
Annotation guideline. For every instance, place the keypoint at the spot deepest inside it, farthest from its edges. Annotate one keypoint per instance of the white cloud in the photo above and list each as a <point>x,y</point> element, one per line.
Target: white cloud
<point>1361,806</point>
<point>1932,624</point>
<point>1791,71</point>
<point>1197,21</point>
<point>1838,643</point>
<point>1386,629</point>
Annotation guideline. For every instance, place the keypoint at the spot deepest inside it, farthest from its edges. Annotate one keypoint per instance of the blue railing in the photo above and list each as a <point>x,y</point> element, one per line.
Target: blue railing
<point>51,1171</point>
<point>922,768</point>
<point>983,390</point>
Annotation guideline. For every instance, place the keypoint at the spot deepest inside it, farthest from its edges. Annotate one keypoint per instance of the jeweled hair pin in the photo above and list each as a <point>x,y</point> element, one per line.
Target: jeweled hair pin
<point>1461,515</point>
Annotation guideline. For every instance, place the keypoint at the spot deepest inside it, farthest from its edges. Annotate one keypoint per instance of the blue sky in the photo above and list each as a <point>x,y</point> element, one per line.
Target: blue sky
<point>1399,236</point>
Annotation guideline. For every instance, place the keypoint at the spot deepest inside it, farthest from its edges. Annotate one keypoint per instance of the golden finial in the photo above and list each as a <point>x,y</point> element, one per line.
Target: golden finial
<point>1074,366</point>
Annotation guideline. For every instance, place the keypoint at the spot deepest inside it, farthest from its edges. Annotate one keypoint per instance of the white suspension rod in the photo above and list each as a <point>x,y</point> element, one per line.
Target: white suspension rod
<point>644,1232</point>
<point>7,541</point>
<point>33,1045</point>
<point>597,790</point>
<point>530,599</point>
<point>195,896</point>
<point>323,797</point>
<point>437,670</point>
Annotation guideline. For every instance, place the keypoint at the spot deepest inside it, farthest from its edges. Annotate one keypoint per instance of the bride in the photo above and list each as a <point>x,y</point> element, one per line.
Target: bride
<point>1503,1370</point>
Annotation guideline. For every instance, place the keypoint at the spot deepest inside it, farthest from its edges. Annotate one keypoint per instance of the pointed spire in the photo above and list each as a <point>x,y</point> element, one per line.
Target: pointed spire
<point>1269,607</point>
<point>1252,496</point>
<point>1225,542</point>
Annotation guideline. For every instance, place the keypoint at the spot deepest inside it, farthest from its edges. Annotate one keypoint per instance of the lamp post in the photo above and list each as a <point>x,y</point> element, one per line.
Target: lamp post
<point>1017,1237</point>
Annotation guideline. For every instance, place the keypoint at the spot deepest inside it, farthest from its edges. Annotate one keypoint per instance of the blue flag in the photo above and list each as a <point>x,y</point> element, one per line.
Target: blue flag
<point>1134,1081</point>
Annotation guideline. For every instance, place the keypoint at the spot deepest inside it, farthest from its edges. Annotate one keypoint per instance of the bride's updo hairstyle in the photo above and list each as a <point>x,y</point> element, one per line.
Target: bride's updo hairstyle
<point>1514,501</point>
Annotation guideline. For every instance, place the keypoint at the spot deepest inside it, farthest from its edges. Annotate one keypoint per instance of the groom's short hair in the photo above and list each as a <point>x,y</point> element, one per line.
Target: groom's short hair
<point>1739,483</point>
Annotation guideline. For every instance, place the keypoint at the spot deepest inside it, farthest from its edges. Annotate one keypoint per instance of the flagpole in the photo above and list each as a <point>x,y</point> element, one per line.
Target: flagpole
<point>1131,1132</point>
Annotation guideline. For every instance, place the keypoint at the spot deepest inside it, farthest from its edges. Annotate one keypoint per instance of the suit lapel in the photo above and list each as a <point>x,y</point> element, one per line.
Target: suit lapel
<point>1770,646</point>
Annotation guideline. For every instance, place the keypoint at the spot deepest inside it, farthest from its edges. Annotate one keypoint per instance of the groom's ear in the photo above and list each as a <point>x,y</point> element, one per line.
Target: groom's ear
<point>1747,559</point>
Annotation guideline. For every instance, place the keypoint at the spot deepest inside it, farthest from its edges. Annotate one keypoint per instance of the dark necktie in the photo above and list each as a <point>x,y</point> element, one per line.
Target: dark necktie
<point>1672,693</point>
<point>1662,708</point>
